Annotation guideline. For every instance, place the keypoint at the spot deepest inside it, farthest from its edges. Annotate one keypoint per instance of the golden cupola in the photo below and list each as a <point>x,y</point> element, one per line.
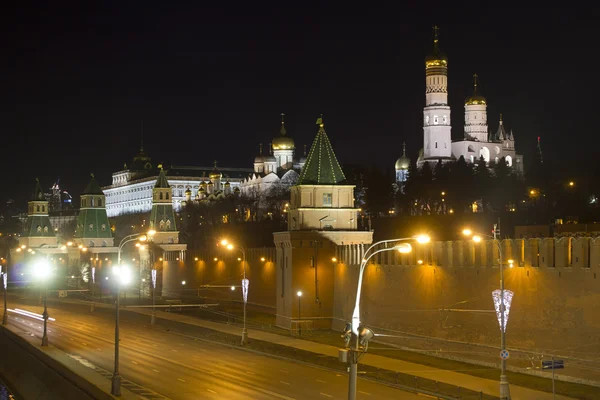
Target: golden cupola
<point>283,142</point>
<point>476,98</point>
<point>436,58</point>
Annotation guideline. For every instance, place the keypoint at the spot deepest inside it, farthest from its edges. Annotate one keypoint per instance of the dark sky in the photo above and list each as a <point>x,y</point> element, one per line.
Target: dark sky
<point>78,79</point>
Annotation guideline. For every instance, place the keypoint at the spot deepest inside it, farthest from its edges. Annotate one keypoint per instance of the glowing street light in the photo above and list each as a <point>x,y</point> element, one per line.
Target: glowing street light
<point>333,259</point>
<point>262,259</point>
<point>354,325</point>
<point>41,270</point>
<point>232,288</point>
<point>467,232</point>
<point>123,276</point>
<point>510,263</point>
<point>182,283</point>
<point>423,239</point>
<point>299,294</point>
<point>571,183</point>
<point>477,238</point>
<point>245,284</point>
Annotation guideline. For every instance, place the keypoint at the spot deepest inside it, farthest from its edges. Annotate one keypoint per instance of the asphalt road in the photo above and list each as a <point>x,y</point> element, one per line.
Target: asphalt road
<point>161,364</point>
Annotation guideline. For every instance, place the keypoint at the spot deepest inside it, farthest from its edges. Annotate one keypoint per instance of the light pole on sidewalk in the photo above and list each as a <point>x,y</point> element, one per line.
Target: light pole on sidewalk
<point>355,344</point>
<point>41,270</point>
<point>245,285</point>
<point>122,277</point>
<point>504,386</point>
<point>299,313</point>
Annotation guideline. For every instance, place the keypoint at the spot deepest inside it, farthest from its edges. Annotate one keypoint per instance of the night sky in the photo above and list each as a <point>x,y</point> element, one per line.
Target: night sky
<point>79,80</point>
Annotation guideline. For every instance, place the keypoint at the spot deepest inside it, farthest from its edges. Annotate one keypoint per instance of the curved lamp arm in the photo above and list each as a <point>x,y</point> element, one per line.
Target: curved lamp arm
<point>356,313</point>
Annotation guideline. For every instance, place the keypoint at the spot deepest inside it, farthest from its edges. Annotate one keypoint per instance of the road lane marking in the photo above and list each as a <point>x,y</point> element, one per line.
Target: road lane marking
<point>98,349</point>
<point>338,375</point>
<point>134,362</point>
<point>325,394</point>
<point>284,371</point>
<point>285,383</point>
<point>320,381</point>
<point>360,391</point>
<point>174,351</point>
<point>212,391</point>
<point>180,380</point>
<point>250,372</point>
<point>84,343</point>
<point>155,370</point>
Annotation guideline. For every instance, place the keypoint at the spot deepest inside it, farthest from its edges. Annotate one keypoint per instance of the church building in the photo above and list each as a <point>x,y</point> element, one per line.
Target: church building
<point>477,140</point>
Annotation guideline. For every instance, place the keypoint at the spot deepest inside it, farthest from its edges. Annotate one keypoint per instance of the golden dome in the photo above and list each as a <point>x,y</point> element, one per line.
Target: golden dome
<point>215,173</point>
<point>475,99</point>
<point>403,162</point>
<point>436,58</point>
<point>283,142</point>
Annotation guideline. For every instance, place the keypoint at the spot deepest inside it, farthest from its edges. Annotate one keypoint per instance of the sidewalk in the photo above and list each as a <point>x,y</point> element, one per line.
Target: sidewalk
<point>467,381</point>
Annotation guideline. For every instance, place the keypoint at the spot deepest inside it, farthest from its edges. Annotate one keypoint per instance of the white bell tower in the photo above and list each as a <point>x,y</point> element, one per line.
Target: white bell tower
<point>436,114</point>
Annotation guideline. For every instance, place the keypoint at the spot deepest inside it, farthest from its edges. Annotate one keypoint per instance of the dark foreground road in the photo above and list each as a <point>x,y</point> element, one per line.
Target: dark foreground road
<point>161,364</point>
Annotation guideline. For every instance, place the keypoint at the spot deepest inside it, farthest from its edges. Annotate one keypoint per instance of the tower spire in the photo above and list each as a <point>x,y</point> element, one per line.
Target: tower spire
<point>282,130</point>
<point>539,150</point>
<point>304,150</point>
<point>403,149</point>
<point>436,32</point>
<point>260,149</point>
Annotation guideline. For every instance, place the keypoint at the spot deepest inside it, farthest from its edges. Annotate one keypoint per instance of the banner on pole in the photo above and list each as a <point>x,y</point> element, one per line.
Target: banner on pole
<point>154,278</point>
<point>4,277</point>
<point>245,284</point>
<point>93,274</point>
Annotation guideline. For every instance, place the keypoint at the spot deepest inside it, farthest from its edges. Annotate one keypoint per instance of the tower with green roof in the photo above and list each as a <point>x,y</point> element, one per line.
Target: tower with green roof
<point>38,231</point>
<point>93,229</point>
<point>322,226</point>
<point>162,217</point>
<point>322,199</point>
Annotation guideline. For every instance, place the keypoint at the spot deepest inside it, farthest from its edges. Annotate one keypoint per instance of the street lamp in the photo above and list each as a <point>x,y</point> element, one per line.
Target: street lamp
<point>245,285</point>
<point>41,270</point>
<point>123,277</point>
<point>299,293</point>
<point>400,247</point>
<point>504,387</point>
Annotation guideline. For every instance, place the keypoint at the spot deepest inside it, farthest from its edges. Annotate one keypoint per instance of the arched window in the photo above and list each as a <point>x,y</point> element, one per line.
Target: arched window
<point>39,228</point>
<point>508,161</point>
<point>161,195</point>
<point>99,202</point>
<point>103,227</point>
<point>91,227</point>
<point>46,229</point>
<point>92,201</point>
<point>168,223</point>
<point>38,208</point>
<point>167,194</point>
<point>43,208</point>
<point>161,224</point>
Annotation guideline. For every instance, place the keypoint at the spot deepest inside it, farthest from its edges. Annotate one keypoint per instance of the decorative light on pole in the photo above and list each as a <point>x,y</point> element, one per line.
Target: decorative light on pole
<point>299,294</point>
<point>153,318</point>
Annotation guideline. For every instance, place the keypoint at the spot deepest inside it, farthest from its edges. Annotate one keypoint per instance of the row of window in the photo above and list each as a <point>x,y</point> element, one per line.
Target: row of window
<point>436,120</point>
<point>45,229</point>
<point>94,202</point>
<point>37,208</point>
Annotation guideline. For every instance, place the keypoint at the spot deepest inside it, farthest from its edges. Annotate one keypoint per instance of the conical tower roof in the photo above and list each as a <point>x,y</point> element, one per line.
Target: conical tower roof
<point>501,132</point>
<point>322,167</point>
<point>93,187</point>
<point>162,181</point>
<point>38,194</point>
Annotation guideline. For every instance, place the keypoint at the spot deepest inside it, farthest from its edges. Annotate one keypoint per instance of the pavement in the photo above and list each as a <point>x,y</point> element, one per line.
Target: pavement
<point>158,364</point>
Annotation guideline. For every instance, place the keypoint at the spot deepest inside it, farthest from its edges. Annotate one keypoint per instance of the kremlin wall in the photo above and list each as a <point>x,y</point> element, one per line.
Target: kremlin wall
<point>556,287</point>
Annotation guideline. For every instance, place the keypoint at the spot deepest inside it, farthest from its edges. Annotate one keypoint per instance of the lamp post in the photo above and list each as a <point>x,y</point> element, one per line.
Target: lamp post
<point>504,386</point>
<point>122,277</point>
<point>299,314</point>
<point>41,270</point>
<point>245,285</point>
<point>354,345</point>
